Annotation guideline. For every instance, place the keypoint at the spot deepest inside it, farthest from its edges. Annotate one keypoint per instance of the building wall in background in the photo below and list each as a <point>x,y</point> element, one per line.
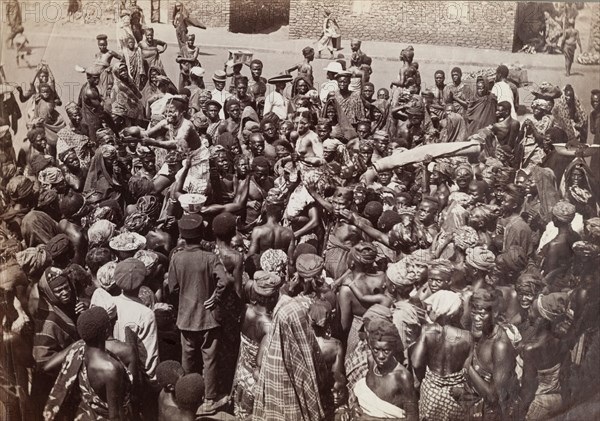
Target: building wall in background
<point>463,23</point>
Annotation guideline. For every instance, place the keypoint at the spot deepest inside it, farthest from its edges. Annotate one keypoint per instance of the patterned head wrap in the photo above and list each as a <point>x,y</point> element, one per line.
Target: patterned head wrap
<point>309,265</point>
<point>443,303</point>
<point>148,205</point>
<point>592,229</point>
<point>106,275</point>
<point>273,260</point>
<point>543,104</point>
<point>364,253</point>
<point>442,265</point>
<point>266,284</point>
<point>148,258</point>
<point>466,237</point>
<point>33,260</point>
<point>378,311</point>
<point>481,258</point>
<point>553,306</point>
<point>71,107</point>
<point>563,211</point>
<point>50,176</point>
<point>100,232</point>
<point>108,151</point>
<point>137,222</point>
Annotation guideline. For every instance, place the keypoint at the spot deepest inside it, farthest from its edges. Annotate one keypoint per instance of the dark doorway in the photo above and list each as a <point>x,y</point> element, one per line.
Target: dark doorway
<point>258,16</point>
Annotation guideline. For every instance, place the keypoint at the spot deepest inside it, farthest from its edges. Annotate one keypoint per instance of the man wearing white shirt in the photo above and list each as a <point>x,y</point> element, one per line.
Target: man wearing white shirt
<point>503,90</point>
<point>276,101</point>
<point>219,94</point>
<point>332,69</point>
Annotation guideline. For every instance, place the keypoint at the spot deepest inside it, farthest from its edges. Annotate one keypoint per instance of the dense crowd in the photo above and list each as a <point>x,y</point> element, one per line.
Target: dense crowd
<point>276,250</point>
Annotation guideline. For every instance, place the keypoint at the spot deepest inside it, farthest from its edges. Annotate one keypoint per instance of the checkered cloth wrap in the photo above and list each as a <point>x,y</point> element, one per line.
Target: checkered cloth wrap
<point>436,403</point>
<point>288,384</point>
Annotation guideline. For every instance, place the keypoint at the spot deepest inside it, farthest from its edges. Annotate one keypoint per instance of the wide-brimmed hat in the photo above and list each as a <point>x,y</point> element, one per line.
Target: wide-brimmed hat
<point>219,76</point>
<point>280,79</point>
<point>343,73</point>
<point>334,67</point>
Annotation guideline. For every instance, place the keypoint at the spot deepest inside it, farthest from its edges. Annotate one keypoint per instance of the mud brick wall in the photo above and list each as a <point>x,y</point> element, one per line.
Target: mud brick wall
<point>461,23</point>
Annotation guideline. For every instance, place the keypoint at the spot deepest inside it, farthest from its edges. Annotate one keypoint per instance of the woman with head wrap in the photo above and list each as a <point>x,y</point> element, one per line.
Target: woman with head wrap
<point>75,135</point>
<point>290,382</point>
<point>532,136</point>
<point>72,170</point>
<point>53,178</point>
<point>570,116</point>
<point>256,320</point>
<point>581,187</point>
<point>101,180</point>
<point>479,262</point>
<point>54,326</point>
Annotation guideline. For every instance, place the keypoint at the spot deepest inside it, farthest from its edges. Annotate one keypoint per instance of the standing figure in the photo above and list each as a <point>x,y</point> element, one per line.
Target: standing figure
<point>181,21</point>
<point>103,58</point>
<point>569,44</point>
<point>187,58</point>
<point>331,30</point>
<point>138,22</point>
<point>15,21</point>
<point>152,49</point>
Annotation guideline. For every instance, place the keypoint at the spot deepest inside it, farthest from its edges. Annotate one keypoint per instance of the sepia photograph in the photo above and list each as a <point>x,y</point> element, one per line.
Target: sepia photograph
<point>299,210</point>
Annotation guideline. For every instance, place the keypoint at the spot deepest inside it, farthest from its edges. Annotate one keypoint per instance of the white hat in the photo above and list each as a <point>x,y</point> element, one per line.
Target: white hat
<point>334,67</point>
<point>197,71</point>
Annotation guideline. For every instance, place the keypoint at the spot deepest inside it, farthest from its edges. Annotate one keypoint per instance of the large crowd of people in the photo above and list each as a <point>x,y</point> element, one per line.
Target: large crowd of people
<point>277,250</point>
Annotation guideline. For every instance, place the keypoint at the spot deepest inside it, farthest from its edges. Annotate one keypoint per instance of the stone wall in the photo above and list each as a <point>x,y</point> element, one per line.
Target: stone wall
<point>463,23</point>
<point>212,13</point>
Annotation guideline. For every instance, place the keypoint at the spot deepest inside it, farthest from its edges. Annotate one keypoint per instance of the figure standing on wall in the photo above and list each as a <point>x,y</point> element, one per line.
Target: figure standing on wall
<point>181,21</point>
<point>331,32</point>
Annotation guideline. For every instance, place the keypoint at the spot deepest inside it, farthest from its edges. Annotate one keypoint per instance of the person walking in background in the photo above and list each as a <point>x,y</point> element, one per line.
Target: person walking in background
<point>331,31</point>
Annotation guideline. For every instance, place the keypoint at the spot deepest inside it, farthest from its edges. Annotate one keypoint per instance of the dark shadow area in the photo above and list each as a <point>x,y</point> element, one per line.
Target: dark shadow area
<point>258,16</point>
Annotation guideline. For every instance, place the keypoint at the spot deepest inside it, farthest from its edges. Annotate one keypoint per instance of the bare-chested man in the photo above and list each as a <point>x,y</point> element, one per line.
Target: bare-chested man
<point>506,128</point>
<point>272,235</point>
<point>490,370</point>
<point>439,356</point>
<point>387,392</point>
